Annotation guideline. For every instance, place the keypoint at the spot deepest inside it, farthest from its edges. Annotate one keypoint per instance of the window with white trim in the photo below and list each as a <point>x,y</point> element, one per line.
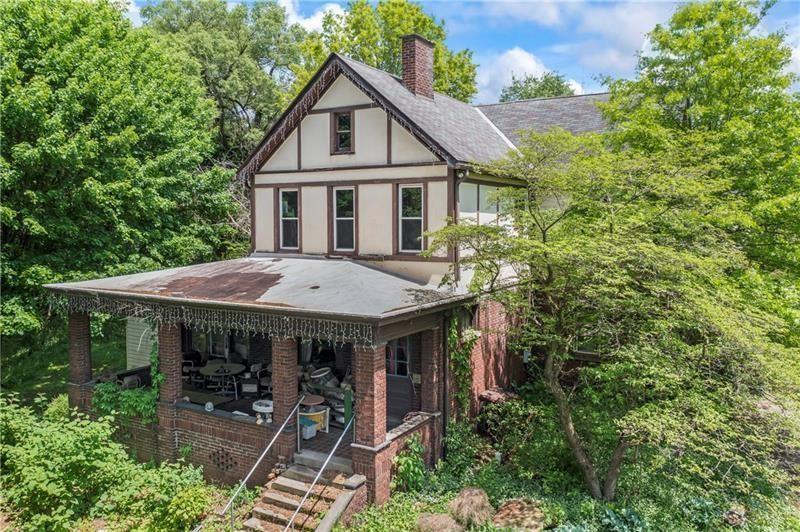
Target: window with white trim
<point>290,219</point>
<point>344,219</point>
<point>398,356</point>
<point>410,212</point>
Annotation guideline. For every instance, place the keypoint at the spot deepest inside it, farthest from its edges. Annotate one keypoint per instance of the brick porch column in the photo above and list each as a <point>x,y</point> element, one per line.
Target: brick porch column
<point>371,456</point>
<point>284,392</point>
<point>80,358</point>
<point>432,367</point>
<point>432,384</point>
<point>170,359</point>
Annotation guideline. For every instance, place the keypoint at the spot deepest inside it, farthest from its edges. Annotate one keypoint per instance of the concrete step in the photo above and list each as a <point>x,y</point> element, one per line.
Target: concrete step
<point>307,474</point>
<point>281,516</point>
<point>315,459</point>
<point>296,487</point>
<point>254,524</point>
<point>312,505</point>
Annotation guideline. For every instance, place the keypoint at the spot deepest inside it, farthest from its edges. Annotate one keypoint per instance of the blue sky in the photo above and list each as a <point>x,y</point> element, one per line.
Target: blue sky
<point>581,39</point>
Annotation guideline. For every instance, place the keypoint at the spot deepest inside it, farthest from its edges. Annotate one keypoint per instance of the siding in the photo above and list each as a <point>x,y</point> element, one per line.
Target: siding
<point>139,340</point>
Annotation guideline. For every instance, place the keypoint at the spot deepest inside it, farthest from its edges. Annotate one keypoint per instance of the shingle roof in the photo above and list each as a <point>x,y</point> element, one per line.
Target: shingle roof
<point>456,126</point>
<point>577,114</point>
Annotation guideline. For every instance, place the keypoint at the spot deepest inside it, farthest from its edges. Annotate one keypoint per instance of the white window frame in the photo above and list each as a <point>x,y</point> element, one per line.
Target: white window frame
<point>400,218</point>
<point>281,218</point>
<point>337,218</point>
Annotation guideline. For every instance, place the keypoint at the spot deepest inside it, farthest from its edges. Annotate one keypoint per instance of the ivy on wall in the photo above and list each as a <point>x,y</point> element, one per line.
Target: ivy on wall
<point>460,342</point>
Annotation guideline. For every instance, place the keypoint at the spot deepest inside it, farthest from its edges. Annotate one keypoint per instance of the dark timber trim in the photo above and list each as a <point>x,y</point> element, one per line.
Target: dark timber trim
<point>352,167</point>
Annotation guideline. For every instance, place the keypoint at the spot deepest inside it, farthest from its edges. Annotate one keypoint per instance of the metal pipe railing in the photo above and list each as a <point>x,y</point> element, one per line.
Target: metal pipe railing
<point>319,474</point>
<point>243,483</point>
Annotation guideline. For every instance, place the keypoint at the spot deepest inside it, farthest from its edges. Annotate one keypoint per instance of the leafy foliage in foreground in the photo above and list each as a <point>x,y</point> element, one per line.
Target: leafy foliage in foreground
<point>103,130</point>
<point>649,498</point>
<point>61,469</point>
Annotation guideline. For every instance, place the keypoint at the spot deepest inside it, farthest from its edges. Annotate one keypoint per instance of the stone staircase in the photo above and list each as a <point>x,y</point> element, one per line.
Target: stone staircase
<point>281,496</point>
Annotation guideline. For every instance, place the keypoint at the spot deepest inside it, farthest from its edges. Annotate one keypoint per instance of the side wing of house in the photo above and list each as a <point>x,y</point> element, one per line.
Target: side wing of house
<point>350,181</point>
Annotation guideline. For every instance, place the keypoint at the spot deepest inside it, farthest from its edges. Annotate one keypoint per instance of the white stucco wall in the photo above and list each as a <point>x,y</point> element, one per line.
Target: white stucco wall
<point>342,93</point>
<point>375,219</point>
<point>407,149</point>
<point>314,219</point>
<point>264,223</point>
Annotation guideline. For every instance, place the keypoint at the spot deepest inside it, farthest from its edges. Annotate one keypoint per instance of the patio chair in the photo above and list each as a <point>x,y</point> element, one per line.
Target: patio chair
<point>250,387</point>
<point>130,382</point>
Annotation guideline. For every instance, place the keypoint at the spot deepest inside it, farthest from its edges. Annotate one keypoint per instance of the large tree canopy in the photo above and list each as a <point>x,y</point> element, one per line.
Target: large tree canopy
<point>714,77</point>
<point>527,87</point>
<point>372,34</point>
<point>103,131</point>
<point>244,53</point>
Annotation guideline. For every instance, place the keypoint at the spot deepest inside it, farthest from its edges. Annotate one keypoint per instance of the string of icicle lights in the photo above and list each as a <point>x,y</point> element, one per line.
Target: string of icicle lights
<point>220,320</point>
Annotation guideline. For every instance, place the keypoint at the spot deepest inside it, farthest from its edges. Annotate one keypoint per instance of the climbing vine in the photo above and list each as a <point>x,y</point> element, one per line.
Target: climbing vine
<point>109,398</point>
<point>460,342</point>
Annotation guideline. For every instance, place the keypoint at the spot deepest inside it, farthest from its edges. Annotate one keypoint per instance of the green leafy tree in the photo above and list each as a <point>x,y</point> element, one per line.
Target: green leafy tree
<point>244,53</point>
<point>103,131</point>
<point>529,86</point>
<point>622,254</point>
<point>372,34</point>
<point>714,77</point>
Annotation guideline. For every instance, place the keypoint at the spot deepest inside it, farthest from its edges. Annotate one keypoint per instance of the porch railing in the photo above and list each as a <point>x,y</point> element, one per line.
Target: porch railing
<point>319,474</point>
<point>243,483</point>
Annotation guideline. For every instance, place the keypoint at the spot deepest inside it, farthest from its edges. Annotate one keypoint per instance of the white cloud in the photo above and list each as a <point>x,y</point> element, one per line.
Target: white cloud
<point>495,71</point>
<point>576,87</point>
<point>312,22</point>
<point>133,13</point>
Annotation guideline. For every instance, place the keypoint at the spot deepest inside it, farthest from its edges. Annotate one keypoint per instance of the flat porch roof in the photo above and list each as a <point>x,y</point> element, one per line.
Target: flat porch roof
<point>265,293</point>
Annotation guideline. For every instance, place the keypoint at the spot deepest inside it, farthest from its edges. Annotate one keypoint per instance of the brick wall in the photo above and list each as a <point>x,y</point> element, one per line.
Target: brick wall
<point>226,448</point>
<point>80,357</point>
<point>432,365</point>
<point>418,65</point>
<point>492,365</point>
<point>376,463</point>
<point>369,371</point>
<point>284,390</point>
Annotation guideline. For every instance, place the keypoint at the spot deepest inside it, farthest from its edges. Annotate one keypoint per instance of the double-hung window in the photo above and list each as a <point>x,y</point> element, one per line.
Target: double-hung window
<point>410,223</point>
<point>290,219</point>
<point>344,219</point>
<point>342,132</point>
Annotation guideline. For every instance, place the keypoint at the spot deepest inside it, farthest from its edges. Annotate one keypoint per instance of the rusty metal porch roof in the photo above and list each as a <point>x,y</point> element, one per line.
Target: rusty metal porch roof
<point>300,286</point>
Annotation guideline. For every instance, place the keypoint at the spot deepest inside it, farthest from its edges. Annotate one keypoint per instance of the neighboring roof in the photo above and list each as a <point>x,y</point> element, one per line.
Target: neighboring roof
<point>576,114</point>
<point>336,288</point>
<point>456,126</point>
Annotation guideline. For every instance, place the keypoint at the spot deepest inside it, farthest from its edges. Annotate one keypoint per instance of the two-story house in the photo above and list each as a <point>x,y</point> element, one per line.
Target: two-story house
<point>335,297</point>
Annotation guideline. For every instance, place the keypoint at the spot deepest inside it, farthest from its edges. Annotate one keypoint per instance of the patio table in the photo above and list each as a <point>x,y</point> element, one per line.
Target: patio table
<point>222,370</point>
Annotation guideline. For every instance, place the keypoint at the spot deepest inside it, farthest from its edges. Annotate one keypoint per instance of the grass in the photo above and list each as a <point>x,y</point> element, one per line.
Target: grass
<point>38,364</point>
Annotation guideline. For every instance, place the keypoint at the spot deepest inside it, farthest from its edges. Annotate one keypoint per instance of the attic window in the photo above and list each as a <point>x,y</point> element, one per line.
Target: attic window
<point>342,132</point>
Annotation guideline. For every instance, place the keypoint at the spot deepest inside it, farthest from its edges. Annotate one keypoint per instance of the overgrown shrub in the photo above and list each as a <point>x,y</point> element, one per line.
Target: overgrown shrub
<point>59,469</point>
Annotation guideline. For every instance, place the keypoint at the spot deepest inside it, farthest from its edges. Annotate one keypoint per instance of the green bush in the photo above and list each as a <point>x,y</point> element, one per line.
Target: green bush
<point>57,409</point>
<point>409,466</point>
<point>60,469</point>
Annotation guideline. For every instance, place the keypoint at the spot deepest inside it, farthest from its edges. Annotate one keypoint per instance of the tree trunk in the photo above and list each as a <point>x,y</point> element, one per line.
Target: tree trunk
<point>610,485</point>
<point>552,369</point>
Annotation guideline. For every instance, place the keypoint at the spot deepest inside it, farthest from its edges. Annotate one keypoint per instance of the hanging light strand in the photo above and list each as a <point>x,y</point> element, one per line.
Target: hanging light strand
<point>218,320</point>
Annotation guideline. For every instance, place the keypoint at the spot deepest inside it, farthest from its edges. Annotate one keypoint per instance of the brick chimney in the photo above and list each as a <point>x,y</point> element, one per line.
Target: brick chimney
<point>418,65</point>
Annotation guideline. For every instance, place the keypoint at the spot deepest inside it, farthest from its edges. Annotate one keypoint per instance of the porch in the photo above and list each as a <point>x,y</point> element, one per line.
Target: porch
<point>222,365</point>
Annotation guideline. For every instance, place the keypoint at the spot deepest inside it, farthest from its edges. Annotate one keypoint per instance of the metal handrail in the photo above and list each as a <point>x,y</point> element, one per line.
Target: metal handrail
<point>243,483</point>
<point>319,474</point>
